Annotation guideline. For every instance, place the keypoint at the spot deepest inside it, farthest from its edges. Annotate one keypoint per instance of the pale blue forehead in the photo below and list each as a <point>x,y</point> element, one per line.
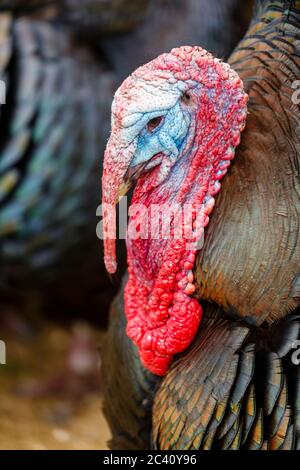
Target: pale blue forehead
<point>150,99</point>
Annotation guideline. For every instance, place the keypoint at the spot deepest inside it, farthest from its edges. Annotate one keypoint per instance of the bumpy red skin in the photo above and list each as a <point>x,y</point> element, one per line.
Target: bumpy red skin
<point>162,316</point>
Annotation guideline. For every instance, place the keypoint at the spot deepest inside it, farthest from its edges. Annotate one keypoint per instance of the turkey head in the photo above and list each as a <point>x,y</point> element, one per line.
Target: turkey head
<point>175,124</point>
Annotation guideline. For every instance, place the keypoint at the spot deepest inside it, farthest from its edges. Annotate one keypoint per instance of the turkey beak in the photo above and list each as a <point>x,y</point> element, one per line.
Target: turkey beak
<point>131,176</point>
<point>123,190</point>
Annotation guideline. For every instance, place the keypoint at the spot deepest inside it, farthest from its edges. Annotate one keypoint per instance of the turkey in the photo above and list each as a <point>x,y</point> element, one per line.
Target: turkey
<point>207,353</point>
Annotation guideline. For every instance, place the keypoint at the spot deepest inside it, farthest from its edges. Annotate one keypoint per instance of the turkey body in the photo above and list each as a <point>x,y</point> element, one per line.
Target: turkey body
<point>237,385</point>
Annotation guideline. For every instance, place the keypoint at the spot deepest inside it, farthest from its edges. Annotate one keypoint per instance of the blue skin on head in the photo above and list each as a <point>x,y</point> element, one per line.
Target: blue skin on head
<point>167,138</point>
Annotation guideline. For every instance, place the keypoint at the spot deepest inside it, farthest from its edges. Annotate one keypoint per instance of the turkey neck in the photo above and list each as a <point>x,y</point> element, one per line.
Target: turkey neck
<point>250,260</point>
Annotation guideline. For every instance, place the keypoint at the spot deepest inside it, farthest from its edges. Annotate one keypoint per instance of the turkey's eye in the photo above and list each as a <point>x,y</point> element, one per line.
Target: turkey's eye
<point>187,98</point>
<point>154,123</point>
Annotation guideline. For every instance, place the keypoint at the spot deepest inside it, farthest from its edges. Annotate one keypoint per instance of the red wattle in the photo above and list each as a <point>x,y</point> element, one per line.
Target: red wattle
<point>162,321</point>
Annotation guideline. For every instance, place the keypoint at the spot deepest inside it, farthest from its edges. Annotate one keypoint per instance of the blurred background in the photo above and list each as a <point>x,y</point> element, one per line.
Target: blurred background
<point>60,63</point>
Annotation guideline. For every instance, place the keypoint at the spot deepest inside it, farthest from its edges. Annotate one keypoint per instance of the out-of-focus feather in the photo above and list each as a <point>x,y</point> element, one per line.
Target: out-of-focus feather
<point>99,17</point>
<point>58,123</point>
<point>91,19</point>
<point>216,26</point>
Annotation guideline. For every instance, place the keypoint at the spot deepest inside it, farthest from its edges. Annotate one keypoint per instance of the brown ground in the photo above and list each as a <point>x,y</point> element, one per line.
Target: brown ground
<point>57,420</point>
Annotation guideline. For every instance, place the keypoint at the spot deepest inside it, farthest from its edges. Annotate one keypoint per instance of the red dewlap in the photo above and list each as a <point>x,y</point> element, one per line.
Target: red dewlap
<point>164,321</point>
